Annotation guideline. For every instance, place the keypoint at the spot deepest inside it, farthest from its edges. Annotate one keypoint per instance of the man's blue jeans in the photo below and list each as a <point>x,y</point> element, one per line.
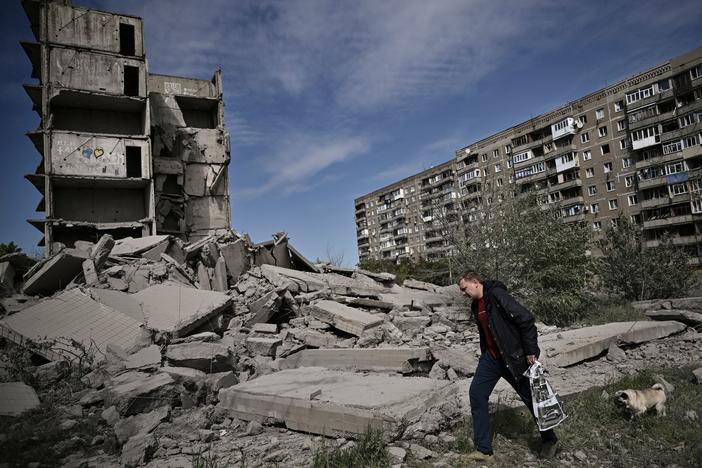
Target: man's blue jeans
<point>486,377</point>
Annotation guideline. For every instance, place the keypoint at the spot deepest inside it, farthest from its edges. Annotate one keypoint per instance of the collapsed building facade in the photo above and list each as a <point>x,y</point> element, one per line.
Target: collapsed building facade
<point>632,149</point>
<point>123,152</point>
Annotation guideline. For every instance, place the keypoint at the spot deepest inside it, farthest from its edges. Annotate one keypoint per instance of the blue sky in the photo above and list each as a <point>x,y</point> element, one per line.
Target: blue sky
<point>329,100</point>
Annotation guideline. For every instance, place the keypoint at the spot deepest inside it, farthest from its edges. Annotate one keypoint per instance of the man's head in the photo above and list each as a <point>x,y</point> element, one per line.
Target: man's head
<point>471,284</point>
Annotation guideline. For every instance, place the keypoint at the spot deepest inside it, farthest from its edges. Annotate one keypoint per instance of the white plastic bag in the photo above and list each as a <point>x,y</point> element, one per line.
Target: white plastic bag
<point>548,407</point>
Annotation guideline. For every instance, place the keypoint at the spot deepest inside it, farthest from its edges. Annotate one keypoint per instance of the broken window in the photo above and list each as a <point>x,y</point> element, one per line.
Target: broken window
<point>133,161</point>
<point>131,80</point>
<point>127,39</point>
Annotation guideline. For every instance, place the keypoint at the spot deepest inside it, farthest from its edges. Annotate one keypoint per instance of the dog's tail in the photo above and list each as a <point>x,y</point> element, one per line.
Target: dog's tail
<point>658,386</point>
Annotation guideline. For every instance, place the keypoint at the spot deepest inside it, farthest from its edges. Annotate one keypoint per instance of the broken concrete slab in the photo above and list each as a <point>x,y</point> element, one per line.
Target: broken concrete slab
<point>402,360</point>
<point>462,359</point>
<point>147,358</point>
<point>16,398</point>
<point>219,282</point>
<point>140,423</point>
<point>207,357</point>
<point>416,298</point>
<point>203,277</point>
<point>268,328</point>
<point>130,246</point>
<point>688,317</point>
<point>319,340</point>
<point>235,258</point>
<point>263,346</point>
<point>406,324</point>
<point>138,450</point>
<point>184,374</point>
<point>118,300</point>
<point>55,273</point>
<point>90,272</point>
<point>101,251</point>
<point>344,318</point>
<point>264,308</point>
<point>179,310</point>
<point>142,392</point>
<point>573,346</point>
<point>72,315</point>
<point>7,278</point>
<point>416,284</point>
<point>308,282</point>
<point>345,403</point>
<point>366,303</point>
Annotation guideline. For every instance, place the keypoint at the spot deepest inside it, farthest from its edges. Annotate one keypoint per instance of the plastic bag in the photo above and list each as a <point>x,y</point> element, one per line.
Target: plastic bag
<point>548,407</point>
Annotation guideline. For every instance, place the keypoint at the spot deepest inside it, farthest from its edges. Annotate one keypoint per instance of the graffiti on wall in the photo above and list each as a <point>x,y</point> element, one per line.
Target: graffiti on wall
<point>78,155</point>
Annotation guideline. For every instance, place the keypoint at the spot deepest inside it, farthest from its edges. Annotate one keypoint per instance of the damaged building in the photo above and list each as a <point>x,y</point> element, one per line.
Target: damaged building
<point>123,152</point>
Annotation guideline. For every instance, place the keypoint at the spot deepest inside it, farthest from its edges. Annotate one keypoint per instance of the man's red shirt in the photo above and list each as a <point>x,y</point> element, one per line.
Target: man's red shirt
<point>483,322</point>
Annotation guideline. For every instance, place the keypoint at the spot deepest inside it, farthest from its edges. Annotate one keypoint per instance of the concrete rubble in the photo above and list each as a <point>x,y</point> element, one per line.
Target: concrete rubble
<point>254,336</point>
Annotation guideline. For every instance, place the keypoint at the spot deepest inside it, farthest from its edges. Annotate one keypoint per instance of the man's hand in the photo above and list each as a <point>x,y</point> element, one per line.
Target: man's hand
<point>531,359</point>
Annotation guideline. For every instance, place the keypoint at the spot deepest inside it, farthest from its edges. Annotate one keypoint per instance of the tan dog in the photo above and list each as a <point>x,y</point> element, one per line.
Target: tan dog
<point>640,401</point>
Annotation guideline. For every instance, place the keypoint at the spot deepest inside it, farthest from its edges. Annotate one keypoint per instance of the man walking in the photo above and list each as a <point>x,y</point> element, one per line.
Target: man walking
<point>509,345</point>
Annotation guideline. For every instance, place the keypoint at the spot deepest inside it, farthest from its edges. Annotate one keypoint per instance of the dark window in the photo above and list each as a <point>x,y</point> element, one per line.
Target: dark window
<point>171,186</point>
<point>131,80</point>
<point>133,161</point>
<point>126,39</point>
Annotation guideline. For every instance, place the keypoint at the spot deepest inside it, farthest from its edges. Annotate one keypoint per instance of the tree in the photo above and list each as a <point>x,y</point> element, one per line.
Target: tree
<point>9,248</point>
<point>525,244</point>
<point>638,273</point>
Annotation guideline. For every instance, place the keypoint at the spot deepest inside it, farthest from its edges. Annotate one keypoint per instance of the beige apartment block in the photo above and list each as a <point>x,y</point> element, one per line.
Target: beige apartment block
<point>113,159</point>
<point>632,149</point>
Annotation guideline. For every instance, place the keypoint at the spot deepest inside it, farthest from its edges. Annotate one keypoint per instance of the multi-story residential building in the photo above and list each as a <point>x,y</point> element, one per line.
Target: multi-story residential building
<point>399,220</point>
<point>631,149</point>
<point>122,152</point>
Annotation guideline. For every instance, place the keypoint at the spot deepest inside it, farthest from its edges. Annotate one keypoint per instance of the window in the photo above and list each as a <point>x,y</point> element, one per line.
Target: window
<point>610,186</point>
<point>618,106</point>
<point>602,131</point>
<point>592,190</point>
<point>599,114</point>
<point>133,155</point>
<point>664,85</point>
<point>519,157</point>
<point>509,163</point>
<point>587,155</point>
<point>508,149</point>
<point>632,199</point>
<point>679,189</point>
<point>585,137</point>
<point>673,147</point>
<point>595,208</point>
<point>626,162</point>
<point>483,157</point>
<point>607,167</point>
<point>126,39</point>
<point>697,206</point>
<point>639,94</point>
<point>589,172</point>
<point>645,133</point>
<point>628,181</point>
<point>131,81</point>
<point>621,125</point>
<point>691,141</point>
<point>696,72</point>
<point>597,225</point>
<point>686,120</point>
<point>675,168</point>
<point>496,153</point>
<point>583,119</point>
<point>624,143</point>
<point>498,168</point>
<point>613,205</point>
<point>499,182</point>
<point>614,222</point>
<point>604,149</point>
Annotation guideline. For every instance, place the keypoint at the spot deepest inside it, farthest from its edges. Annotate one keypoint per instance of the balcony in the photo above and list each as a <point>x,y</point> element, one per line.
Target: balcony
<point>646,142</point>
<point>653,182</point>
<point>649,121</point>
<point>563,128</point>
<point>567,184</point>
<point>668,221</point>
<point>692,152</point>
<point>657,160</point>
<point>658,97</point>
<point>678,240</point>
<point>573,218</point>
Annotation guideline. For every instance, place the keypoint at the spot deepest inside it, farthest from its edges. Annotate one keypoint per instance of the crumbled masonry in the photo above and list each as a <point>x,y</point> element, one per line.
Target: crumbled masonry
<point>254,334</point>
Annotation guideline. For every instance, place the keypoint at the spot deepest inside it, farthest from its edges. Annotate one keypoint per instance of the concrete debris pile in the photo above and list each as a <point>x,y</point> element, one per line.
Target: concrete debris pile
<point>257,333</point>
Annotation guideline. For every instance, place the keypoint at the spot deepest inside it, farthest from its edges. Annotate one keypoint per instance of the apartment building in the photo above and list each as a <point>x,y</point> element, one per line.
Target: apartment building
<point>631,149</point>
<point>402,220</point>
<point>122,151</point>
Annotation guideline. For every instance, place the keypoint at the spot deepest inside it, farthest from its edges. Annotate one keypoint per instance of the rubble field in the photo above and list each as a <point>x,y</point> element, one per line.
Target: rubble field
<point>253,355</point>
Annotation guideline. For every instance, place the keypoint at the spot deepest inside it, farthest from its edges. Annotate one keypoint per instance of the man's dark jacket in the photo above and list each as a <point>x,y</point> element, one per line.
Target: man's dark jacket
<point>512,326</point>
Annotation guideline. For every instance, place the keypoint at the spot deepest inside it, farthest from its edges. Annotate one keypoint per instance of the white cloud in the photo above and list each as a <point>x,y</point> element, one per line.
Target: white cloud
<point>297,160</point>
